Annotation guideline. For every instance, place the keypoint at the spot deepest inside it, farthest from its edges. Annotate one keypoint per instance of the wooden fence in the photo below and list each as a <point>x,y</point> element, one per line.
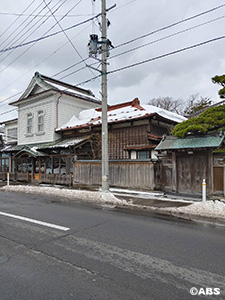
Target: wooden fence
<point>57,179</point>
<point>127,173</point>
<point>140,174</point>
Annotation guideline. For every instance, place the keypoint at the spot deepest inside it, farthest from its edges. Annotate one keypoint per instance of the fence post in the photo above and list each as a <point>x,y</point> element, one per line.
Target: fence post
<point>7,178</point>
<point>203,191</point>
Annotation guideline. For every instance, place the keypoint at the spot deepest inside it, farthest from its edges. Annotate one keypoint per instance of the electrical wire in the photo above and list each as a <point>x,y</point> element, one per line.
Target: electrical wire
<point>154,58</point>
<point>19,15</point>
<point>71,43</point>
<point>31,44</point>
<point>151,59</point>
<point>45,59</point>
<point>166,37</point>
<point>60,26</point>
<point>171,25</point>
<point>144,45</point>
<point>15,33</point>
<point>49,35</point>
<point>33,27</point>
<point>4,100</point>
<point>23,39</point>
<point>166,54</point>
<point>40,15</point>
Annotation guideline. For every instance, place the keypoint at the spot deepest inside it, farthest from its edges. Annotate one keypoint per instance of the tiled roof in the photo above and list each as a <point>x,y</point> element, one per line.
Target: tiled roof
<point>191,142</point>
<point>120,113</point>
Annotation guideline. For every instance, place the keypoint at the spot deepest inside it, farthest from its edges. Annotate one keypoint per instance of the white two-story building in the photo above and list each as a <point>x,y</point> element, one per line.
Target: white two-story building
<point>45,105</point>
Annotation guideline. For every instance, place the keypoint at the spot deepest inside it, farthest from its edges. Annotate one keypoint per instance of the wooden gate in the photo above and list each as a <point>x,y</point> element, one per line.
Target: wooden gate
<point>218,179</point>
<point>191,170</point>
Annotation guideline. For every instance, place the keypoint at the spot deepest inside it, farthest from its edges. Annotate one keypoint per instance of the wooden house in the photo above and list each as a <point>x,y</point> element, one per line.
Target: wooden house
<point>134,131</point>
<point>185,162</point>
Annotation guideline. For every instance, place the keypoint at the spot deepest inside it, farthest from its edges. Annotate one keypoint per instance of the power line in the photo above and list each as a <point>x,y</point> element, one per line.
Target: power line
<point>158,30</point>
<point>19,15</point>
<point>171,25</point>
<point>113,71</point>
<point>23,33</point>
<point>71,43</point>
<point>40,15</point>
<point>35,24</point>
<point>34,43</point>
<point>68,68</point>
<point>168,36</point>
<point>141,46</point>
<point>63,29</point>
<point>154,58</point>
<point>49,35</point>
<point>34,67</point>
<point>23,28</point>
<point>167,54</point>
<point>4,100</point>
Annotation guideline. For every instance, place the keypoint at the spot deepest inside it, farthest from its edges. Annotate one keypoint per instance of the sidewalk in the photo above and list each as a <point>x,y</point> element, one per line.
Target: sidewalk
<point>153,199</point>
<point>212,211</point>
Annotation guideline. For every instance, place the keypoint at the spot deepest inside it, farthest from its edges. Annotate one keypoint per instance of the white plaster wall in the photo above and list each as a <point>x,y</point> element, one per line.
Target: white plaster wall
<point>10,126</point>
<point>48,106</point>
<point>71,106</point>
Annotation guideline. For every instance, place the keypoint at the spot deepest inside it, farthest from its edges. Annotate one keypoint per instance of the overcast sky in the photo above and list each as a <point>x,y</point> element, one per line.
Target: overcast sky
<point>179,75</point>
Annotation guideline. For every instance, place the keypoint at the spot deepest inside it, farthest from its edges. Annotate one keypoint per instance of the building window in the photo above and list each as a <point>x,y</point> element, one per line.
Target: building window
<point>29,123</point>
<point>11,134</point>
<point>40,121</point>
<point>143,154</point>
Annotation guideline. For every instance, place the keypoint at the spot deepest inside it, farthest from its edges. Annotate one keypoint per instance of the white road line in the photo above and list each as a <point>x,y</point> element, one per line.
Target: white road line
<point>35,221</point>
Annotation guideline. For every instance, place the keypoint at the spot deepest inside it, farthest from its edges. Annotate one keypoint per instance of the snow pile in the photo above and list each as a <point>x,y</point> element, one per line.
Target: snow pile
<point>74,195</point>
<point>209,209</point>
<point>116,114</point>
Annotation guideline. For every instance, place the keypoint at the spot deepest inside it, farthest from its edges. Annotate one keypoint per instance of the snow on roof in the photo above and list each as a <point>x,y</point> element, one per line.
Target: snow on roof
<point>49,84</point>
<point>118,113</point>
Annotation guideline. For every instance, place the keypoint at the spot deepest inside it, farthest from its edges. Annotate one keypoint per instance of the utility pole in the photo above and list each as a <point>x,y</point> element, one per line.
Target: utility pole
<point>105,155</point>
<point>94,49</point>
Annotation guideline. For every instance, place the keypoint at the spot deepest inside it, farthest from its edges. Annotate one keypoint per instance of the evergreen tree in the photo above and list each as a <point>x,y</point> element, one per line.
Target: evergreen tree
<point>212,119</point>
<point>221,81</point>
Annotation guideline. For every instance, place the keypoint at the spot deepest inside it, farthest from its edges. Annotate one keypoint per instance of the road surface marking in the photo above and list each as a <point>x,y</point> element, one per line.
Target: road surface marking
<point>35,221</point>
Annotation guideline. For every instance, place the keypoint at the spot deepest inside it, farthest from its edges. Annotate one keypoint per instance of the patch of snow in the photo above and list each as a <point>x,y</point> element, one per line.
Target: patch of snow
<point>151,194</point>
<point>210,209</point>
<point>34,149</point>
<point>164,113</point>
<point>90,196</point>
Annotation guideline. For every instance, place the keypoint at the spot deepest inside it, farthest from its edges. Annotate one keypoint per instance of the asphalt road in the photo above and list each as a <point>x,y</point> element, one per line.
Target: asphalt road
<point>99,253</point>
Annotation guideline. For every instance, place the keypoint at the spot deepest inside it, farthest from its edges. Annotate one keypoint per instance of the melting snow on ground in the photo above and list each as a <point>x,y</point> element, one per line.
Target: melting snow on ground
<point>74,195</point>
<point>209,209</point>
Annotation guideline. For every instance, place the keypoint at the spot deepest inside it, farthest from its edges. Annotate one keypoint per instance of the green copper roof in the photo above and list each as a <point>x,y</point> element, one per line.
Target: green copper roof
<point>35,149</point>
<point>31,152</point>
<point>192,142</point>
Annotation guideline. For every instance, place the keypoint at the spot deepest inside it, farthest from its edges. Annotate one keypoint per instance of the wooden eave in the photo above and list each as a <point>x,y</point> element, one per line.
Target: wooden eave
<point>37,96</point>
